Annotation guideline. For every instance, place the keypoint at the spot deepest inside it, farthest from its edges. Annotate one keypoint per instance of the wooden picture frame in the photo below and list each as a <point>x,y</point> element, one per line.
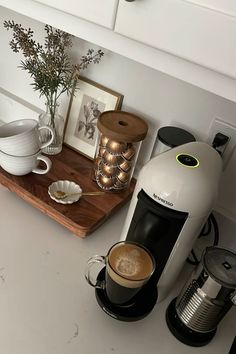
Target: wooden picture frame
<point>86,103</point>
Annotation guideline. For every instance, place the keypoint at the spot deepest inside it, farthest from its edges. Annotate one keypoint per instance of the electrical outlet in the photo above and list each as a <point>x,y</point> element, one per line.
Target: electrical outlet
<point>219,126</point>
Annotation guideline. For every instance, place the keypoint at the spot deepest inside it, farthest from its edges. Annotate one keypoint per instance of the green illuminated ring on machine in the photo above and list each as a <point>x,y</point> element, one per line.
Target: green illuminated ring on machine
<point>187,160</point>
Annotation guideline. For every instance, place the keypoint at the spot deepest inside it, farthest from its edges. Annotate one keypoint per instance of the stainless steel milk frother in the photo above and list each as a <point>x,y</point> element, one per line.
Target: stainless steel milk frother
<point>205,299</point>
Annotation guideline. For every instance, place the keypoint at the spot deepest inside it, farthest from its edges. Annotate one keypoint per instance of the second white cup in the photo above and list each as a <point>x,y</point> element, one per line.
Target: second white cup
<point>22,137</point>
<point>22,165</point>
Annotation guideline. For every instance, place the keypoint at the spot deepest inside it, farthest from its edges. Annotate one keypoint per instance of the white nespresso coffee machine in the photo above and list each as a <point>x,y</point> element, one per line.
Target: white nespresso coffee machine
<point>173,197</point>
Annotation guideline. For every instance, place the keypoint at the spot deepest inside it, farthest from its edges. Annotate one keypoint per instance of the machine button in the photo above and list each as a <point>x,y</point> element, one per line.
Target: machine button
<point>187,160</point>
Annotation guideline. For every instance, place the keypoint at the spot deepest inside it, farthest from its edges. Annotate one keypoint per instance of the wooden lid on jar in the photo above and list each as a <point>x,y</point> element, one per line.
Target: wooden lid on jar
<point>122,126</point>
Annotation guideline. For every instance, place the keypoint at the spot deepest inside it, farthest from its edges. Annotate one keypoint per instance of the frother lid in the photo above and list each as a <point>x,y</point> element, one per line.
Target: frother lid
<point>174,136</point>
<point>220,264</point>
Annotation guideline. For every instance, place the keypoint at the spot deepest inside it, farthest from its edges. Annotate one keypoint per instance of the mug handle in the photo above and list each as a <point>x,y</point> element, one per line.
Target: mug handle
<point>46,161</point>
<point>47,143</point>
<point>98,283</point>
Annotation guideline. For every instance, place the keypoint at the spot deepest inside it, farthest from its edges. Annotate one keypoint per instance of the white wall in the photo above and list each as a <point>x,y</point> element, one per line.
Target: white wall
<point>158,98</point>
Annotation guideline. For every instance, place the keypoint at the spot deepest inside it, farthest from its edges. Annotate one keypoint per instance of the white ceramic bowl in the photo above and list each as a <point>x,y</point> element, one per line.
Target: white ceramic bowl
<point>67,187</point>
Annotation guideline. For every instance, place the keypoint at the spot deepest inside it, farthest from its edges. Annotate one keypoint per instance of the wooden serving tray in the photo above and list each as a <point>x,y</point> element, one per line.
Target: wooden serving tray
<point>82,217</point>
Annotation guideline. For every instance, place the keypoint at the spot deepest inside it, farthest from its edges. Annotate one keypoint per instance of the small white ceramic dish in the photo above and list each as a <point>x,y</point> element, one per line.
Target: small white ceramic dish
<point>67,187</point>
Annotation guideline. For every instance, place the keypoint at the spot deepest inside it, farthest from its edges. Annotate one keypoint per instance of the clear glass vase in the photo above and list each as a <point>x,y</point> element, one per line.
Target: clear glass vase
<point>54,120</point>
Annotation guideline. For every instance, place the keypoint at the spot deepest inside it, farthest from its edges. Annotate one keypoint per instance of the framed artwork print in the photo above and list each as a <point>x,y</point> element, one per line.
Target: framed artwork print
<point>86,104</point>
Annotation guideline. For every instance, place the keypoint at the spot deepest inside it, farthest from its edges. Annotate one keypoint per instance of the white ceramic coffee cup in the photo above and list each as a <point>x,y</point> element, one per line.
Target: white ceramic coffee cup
<point>22,137</point>
<point>22,165</point>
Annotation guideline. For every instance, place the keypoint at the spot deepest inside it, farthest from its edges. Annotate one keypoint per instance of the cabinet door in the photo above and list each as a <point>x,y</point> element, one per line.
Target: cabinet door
<point>101,12</point>
<point>200,34</point>
<point>226,6</point>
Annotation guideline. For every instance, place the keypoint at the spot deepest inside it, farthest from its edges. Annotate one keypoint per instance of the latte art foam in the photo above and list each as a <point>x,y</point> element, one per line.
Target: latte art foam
<point>127,266</point>
<point>130,261</point>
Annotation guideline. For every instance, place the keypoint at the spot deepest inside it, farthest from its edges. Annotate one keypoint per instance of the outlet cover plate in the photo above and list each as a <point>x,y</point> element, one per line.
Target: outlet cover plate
<point>226,203</point>
<point>220,126</point>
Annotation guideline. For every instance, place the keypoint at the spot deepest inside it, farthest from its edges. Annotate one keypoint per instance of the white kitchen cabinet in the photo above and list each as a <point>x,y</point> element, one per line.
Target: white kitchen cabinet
<point>100,12</point>
<point>191,40</point>
<point>226,6</point>
<point>203,35</point>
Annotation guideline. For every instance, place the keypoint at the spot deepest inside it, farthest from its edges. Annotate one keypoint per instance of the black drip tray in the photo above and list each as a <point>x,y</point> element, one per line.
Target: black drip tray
<point>139,308</point>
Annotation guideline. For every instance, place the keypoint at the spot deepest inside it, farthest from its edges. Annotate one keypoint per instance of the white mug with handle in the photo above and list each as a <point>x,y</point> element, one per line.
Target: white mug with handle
<point>23,137</point>
<point>22,165</point>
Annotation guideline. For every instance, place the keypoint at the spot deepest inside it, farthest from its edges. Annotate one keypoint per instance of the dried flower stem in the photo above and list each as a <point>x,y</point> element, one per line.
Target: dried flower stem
<point>49,65</point>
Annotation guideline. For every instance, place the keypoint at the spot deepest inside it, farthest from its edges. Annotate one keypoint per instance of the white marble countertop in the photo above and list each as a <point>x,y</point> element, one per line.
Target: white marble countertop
<point>46,306</point>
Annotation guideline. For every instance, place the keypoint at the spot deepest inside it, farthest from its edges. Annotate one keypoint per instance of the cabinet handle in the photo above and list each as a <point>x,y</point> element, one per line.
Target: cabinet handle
<point>129,0</point>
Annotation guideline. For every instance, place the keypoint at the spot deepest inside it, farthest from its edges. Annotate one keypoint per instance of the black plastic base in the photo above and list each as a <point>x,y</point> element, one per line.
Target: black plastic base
<point>141,305</point>
<point>182,332</point>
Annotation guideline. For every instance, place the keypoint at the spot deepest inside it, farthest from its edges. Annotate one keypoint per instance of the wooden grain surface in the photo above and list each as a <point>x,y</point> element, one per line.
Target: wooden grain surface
<point>82,217</point>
